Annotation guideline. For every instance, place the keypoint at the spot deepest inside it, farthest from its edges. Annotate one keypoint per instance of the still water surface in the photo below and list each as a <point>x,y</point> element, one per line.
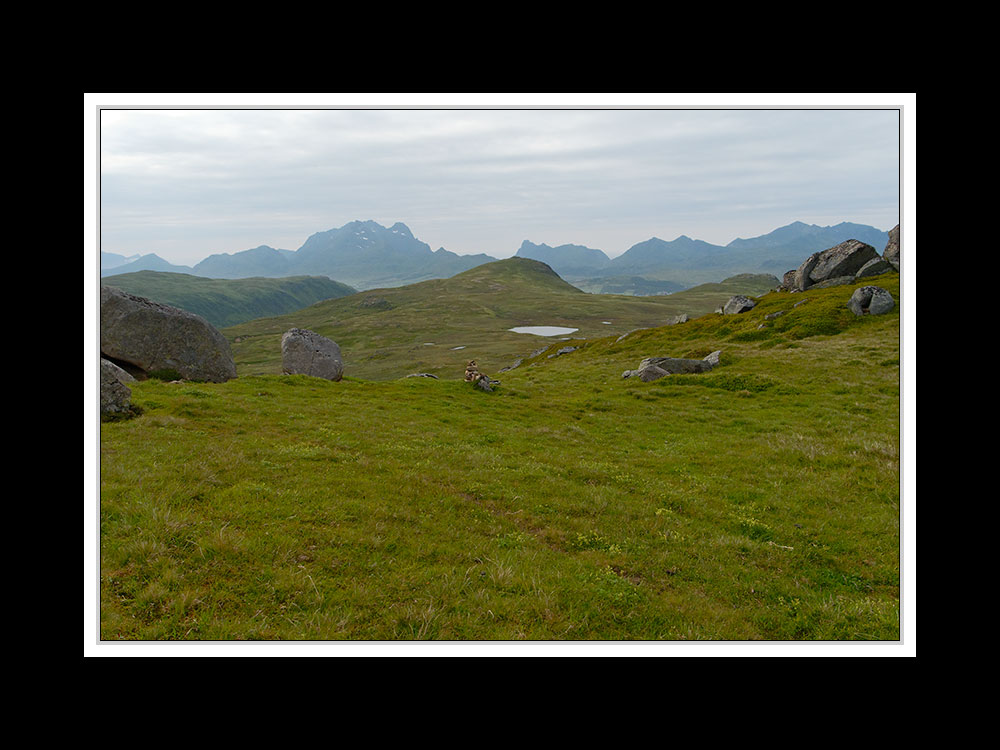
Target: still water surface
<point>544,330</point>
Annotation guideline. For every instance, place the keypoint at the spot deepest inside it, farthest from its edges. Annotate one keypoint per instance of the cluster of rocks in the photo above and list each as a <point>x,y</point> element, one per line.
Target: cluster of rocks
<point>140,337</point>
<point>845,263</point>
<point>654,368</point>
<point>870,300</point>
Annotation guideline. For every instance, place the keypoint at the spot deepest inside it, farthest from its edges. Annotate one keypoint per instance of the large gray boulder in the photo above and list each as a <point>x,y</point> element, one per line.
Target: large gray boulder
<point>891,252</point>
<point>837,262</point>
<point>155,337</point>
<point>116,397</point>
<point>305,352</point>
<point>738,304</point>
<point>870,300</point>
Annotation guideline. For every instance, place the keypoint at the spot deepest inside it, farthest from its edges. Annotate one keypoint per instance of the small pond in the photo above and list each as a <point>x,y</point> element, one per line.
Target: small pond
<point>544,330</point>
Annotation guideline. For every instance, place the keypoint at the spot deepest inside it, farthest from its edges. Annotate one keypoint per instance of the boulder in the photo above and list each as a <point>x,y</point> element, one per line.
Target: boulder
<point>891,252</point>
<point>122,375</point>
<point>654,368</point>
<point>154,337</point>
<point>116,397</point>
<point>678,319</point>
<point>485,383</point>
<point>874,267</point>
<point>870,300</point>
<point>738,304</point>
<point>305,352</point>
<point>564,350</point>
<point>842,260</point>
<point>650,373</point>
<point>833,281</point>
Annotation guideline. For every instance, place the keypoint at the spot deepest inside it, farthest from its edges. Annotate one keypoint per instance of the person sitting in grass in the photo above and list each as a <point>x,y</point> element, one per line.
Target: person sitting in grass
<point>480,380</point>
<point>472,373</point>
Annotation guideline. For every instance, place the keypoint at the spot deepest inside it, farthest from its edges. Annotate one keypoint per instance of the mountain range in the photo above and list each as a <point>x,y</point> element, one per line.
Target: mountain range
<point>366,255</point>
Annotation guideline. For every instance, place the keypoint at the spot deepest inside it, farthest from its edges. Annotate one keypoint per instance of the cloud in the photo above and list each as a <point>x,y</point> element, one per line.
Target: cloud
<point>188,183</point>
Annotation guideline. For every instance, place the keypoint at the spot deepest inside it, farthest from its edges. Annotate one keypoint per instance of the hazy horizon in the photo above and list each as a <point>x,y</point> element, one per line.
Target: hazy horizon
<point>189,183</point>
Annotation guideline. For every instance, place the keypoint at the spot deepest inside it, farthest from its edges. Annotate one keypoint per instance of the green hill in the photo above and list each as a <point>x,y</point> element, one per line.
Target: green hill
<point>436,326</point>
<point>227,302</point>
<point>757,502</point>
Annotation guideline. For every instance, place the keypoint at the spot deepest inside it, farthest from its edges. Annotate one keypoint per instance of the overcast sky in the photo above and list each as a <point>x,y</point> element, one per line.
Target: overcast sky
<point>187,183</point>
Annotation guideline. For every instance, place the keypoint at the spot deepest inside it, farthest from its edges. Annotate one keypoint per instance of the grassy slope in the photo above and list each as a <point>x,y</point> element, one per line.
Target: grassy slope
<point>226,302</point>
<point>389,333</point>
<point>758,501</point>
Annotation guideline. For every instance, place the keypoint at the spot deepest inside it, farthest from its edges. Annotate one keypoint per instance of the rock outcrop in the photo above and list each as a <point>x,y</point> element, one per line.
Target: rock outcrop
<point>870,300</point>
<point>891,252</point>
<point>305,352</point>
<point>116,397</point>
<point>154,337</point>
<point>843,264</point>
<point>835,265</point>
<point>654,368</point>
<point>738,304</point>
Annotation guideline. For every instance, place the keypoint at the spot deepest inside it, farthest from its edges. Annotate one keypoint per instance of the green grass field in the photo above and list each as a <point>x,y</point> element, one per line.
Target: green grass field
<point>756,502</point>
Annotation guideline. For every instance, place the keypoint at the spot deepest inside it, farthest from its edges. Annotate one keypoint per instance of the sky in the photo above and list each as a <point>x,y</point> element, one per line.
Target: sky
<point>187,176</point>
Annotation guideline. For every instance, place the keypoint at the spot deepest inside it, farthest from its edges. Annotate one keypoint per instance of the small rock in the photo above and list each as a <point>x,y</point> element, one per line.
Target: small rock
<point>564,350</point>
<point>650,373</point>
<point>422,375</point>
<point>516,364</point>
<point>870,300</point>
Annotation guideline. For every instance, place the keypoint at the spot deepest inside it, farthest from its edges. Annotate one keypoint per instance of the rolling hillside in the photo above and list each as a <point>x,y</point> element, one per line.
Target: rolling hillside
<point>227,302</point>
<point>436,326</point>
<point>759,502</point>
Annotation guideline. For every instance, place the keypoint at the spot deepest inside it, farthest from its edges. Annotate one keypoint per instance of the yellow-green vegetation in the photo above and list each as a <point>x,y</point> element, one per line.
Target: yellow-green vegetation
<point>758,501</point>
<point>388,333</point>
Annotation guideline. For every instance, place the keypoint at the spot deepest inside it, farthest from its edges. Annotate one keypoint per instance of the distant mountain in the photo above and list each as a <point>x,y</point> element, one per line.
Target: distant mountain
<point>229,302</point>
<point>363,254</point>
<point>366,255</point>
<point>148,262</point>
<point>797,235</point>
<point>259,261</point>
<point>786,247</point>
<point>659,256</point>
<point>569,261</point>
<point>112,260</point>
<point>686,261</point>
